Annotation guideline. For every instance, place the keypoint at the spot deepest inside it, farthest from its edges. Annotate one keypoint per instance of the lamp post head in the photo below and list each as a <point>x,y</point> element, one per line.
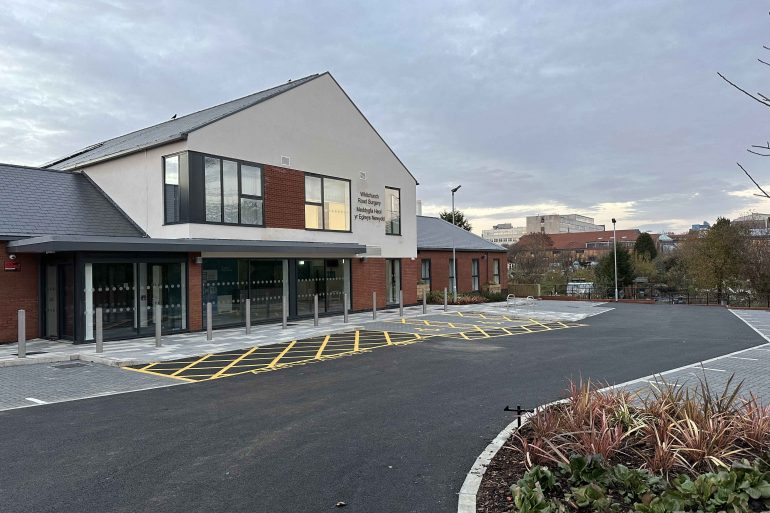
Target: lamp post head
<point>613,220</point>
<point>456,189</point>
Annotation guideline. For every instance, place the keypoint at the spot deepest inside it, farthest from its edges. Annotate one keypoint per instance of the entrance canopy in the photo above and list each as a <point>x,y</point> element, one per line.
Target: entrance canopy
<point>61,243</point>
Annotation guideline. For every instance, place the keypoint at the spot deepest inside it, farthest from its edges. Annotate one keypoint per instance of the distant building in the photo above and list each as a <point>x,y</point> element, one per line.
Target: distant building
<point>700,227</point>
<point>557,223</point>
<point>754,221</point>
<point>505,234</point>
<point>589,247</point>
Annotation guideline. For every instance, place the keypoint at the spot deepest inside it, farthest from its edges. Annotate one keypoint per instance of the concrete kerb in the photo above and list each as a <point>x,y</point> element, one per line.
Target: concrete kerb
<point>467,497</point>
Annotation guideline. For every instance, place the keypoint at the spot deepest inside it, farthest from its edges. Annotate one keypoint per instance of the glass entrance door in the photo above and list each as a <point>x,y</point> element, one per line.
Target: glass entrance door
<point>392,280</point>
<point>127,293</point>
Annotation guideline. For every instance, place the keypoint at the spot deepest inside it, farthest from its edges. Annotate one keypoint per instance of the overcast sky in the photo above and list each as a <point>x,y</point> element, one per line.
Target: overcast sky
<point>599,108</point>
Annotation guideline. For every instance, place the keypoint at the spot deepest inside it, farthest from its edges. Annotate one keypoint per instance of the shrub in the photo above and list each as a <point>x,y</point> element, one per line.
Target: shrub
<point>675,449</point>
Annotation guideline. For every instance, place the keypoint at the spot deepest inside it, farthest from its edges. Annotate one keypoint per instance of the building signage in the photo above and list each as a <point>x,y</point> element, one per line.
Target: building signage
<point>11,265</point>
<point>369,207</point>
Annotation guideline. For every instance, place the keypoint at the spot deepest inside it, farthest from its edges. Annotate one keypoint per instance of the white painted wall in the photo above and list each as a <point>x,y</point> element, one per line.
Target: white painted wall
<point>317,127</point>
<point>322,132</point>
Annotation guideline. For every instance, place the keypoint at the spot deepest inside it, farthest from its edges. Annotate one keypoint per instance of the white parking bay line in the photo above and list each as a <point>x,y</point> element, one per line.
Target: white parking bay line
<point>742,358</point>
<point>710,369</point>
<point>36,401</point>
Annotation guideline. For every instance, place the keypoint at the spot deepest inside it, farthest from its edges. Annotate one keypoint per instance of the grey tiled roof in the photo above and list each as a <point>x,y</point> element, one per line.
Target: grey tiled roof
<point>436,234</point>
<point>169,131</point>
<point>46,202</point>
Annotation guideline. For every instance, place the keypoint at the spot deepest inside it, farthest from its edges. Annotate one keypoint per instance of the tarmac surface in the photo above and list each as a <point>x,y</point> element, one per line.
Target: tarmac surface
<point>390,430</point>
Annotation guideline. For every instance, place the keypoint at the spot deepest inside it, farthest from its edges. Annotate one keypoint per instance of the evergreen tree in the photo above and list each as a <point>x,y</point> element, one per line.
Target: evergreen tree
<point>460,219</point>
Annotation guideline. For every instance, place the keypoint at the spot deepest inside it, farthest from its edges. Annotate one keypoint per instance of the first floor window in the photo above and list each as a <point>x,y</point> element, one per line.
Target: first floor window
<point>496,271</point>
<point>425,272</point>
<point>392,211</point>
<point>213,183</point>
<point>171,196</point>
<point>233,192</point>
<point>327,203</point>
<point>475,274</point>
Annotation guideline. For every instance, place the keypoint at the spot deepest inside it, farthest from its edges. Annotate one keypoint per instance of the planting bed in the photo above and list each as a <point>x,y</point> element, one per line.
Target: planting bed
<point>674,449</point>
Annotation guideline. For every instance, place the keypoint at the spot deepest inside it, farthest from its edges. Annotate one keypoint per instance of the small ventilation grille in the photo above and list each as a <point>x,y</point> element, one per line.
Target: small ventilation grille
<point>285,161</point>
<point>362,175</point>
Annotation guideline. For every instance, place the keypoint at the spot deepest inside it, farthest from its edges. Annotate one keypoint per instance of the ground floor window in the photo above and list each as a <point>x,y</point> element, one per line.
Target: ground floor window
<point>392,280</point>
<point>127,293</point>
<point>425,272</point>
<point>496,271</point>
<point>475,275</point>
<point>229,282</point>
<point>325,278</point>
<point>451,275</point>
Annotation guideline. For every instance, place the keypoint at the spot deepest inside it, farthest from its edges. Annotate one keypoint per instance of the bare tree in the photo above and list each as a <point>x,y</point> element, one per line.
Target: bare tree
<point>755,149</point>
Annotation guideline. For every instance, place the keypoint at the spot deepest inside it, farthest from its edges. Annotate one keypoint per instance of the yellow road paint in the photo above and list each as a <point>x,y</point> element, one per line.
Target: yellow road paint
<point>233,363</point>
<point>355,342</point>
<point>193,364</point>
<point>482,331</point>
<point>387,338</point>
<point>323,346</point>
<point>541,324</point>
<point>280,355</point>
<point>153,373</point>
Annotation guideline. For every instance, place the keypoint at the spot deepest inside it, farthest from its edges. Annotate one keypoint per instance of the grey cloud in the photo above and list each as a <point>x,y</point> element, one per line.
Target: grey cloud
<point>535,102</point>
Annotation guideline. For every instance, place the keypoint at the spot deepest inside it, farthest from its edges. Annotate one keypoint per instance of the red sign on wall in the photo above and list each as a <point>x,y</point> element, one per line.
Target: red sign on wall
<point>11,265</point>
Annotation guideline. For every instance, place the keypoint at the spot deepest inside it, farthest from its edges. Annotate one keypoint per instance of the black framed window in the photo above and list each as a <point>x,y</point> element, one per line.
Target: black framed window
<point>392,211</point>
<point>475,274</point>
<point>451,274</point>
<point>327,203</point>
<point>233,192</point>
<point>496,271</point>
<point>172,200</point>
<point>425,271</point>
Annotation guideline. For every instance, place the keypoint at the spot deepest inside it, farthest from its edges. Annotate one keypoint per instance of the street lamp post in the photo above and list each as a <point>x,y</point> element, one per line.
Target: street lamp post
<point>615,250</point>
<point>454,256</point>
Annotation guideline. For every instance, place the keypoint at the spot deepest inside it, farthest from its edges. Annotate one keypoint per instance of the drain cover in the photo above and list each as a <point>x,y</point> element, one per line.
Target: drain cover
<point>70,365</point>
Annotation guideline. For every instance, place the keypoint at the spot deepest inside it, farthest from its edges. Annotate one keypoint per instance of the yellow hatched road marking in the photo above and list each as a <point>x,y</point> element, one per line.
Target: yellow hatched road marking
<point>387,338</point>
<point>482,331</point>
<point>280,355</point>
<point>322,347</point>
<point>541,324</point>
<point>193,364</point>
<point>460,314</point>
<point>462,334</point>
<point>231,364</point>
<point>155,373</point>
<point>507,331</point>
<point>355,342</point>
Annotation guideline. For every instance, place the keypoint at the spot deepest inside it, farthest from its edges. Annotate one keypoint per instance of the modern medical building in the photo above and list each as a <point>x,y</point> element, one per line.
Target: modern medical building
<point>289,192</point>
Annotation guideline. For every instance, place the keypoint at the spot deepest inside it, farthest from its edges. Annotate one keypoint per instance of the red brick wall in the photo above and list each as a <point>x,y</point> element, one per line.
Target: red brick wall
<point>284,198</point>
<point>367,276</point>
<point>410,273</point>
<point>194,294</point>
<point>19,290</point>
<point>439,265</point>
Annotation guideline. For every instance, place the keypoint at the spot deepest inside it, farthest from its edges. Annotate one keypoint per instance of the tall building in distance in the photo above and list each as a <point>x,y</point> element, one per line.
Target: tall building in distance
<point>503,233</point>
<point>557,223</point>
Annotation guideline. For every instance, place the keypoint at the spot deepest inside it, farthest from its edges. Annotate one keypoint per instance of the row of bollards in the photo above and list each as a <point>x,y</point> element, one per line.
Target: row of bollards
<point>99,319</point>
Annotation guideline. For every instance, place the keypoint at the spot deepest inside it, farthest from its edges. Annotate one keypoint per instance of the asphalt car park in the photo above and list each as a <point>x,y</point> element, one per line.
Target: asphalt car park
<point>389,430</point>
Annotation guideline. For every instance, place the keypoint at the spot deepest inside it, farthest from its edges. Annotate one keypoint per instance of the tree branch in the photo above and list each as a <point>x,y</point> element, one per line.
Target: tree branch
<point>763,62</point>
<point>752,179</point>
<point>763,102</point>
<point>757,153</point>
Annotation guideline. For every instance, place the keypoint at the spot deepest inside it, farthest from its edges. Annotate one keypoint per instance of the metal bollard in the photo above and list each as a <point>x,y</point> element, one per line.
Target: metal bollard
<point>209,327</point>
<point>424,302</point>
<point>285,314</point>
<point>99,331</point>
<point>21,352</point>
<point>445,298</point>
<point>400,303</point>
<point>345,308</point>
<point>248,316</point>
<point>158,323</point>
<point>374,305</point>
<point>315,309</point>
